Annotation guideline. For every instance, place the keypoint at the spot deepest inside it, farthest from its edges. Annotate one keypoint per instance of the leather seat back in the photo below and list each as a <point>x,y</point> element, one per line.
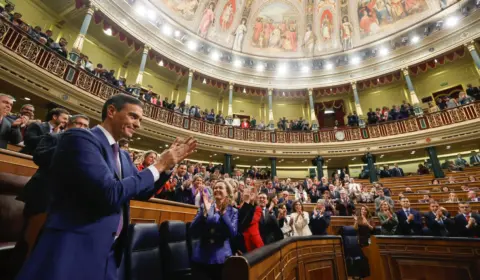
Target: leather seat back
<point>175,252</point>
<point>350,241</point>
<point>143,257</point>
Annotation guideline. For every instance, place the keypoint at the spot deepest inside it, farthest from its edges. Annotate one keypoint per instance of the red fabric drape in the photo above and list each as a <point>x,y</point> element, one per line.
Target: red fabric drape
<point>336,105</point>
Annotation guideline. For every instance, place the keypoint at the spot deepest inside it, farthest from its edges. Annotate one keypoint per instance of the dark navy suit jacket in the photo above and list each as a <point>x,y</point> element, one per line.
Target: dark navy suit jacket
<point>78,241</point>
<point>412,228</point>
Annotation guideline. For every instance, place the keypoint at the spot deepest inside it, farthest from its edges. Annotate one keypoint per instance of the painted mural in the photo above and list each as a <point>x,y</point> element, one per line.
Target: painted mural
<point>184,8</point>
<point>275,28</point>
<point>375,16</point>
<point>297,28</point>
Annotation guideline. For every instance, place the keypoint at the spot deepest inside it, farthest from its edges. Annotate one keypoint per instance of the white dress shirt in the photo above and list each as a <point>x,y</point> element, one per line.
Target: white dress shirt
<point>111,141</point>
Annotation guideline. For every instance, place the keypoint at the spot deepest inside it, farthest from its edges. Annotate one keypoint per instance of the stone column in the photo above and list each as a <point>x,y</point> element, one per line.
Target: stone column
<point>413,96</point>
<point>473,51</point>
<point>78,44</point>
<point>358,108</point>
<point>273,167</point>
<point>313,118</point>
<point>319,161</point>
<point>227,164</point>
<point>139,80</point>
<point>189,87</point>
<point>271,124</point>
<point>436,166</point>
<point>230,100</point>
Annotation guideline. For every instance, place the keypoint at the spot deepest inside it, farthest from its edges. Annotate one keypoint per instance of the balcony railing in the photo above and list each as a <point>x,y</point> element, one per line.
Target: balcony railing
<point>22,45</point>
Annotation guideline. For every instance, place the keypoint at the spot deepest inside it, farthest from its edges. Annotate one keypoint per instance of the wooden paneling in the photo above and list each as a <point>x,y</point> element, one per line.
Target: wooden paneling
<point>159,210</point>
<point>296,260</point>
<point>428,258</point>
<point>16,163</point>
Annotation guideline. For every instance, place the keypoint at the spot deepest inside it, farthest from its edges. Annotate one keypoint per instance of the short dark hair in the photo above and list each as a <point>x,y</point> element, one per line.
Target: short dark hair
<point>122,142</point>
<point>27,105</point>
<point>56,112</point>
<point>119,101</point>
<point>73,118</point>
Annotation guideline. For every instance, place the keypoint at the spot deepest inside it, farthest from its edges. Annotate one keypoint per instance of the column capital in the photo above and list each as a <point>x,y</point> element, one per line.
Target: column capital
<point>91,9</point>
<point>470,46</point>
<point>354,85</point>
<point>310,91</point>
<point>230,85</point>
<point>405,71</point>
<point>270,91</point>
<point>146,49</point>
<point>190,72</point>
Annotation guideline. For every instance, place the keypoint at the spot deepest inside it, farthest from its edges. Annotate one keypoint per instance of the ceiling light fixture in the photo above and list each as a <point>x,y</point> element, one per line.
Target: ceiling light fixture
<point>415,39</point>
<point>436,61</point>
<point>237,63</point>
<point>244,90</point>
<point>160,63</point>
<point>108,32</point>
<point>354,158</point>
<point>329,66</point>
<point>151,15</point>
<point>451,21</point>
<point>26,98</point>
<point>305,69</point>
<point>177,33</point>
<point>204,81</point>
<point>138,138</point>
<point>215,56</point>
<point>282,69</point>
<point>140,10</point>
<point>192,45</point>
<point>413,152</point>
<point>167,30</point>
<point>381,156</point>
<point>384,51</point>
<point>260,67</point>
<point>355,60</point>
<point>448,147</point>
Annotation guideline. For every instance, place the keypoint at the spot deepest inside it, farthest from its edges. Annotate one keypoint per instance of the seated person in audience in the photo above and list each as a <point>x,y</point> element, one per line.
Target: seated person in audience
<point>215,225</point>
<point>7,11</point>
<point>148,159</point>
<point>450,180</point>
<point>183,192</point>
<point>436,190</point>
<point>388,219</point>
<point>47,36</point>
<point>395,113</point>
<point>445,189</point>
<point>320,219</point>
<point>364,225</point>
<point>466,222</point>
<point>253,123</point>
<point>268,189</point>
<point>385,172</point>
<point>408,190</point>
<point>329,203</point>
<point>344,205</point>
<point>471,178</point>
<point>36,193</point>
<point>57,121</point>
<point>438,220</point>
<point>9,131</point>
<point>365,196</point>
<point>473,92</point>
<point>452,198</point>
<point>409,220</point>
<point>435,182</point>
<point>474,158</point>
<point>472,197</point>
<point>464,99</point>
<point>381,197</point>
<point>269,228</point>
<point>460,162</point>
<point>26,114</point>
<point>16,19</point>
<point>426,199</point>
<point>451,102</point>
<point>60,47</point>
<point>397,171</point>
<point>422,170</point>
<point>371,116</point>
<point>249,215</point>
<point>299,220</point>
<point>198,188</point>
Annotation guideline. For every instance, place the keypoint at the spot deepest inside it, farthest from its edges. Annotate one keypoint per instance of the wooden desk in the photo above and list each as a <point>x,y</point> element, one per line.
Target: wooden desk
<point>422,257</point>
<point>301,258</point>
<point>16,163</point>
<point>337,222</point>
<point>159,210</point>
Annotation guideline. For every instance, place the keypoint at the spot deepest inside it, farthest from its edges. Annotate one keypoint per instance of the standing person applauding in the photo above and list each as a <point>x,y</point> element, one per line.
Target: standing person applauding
<point>215,224</point>
<point>299,220</point>
<point>388,219</point>
<point>364,225</point>
<point>319,220</point>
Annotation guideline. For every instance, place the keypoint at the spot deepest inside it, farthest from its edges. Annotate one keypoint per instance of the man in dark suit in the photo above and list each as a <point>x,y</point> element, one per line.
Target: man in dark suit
<point>285,199</point>
<point>85,234</point>
<point>319,220</point>
<point>36,193</point>
<point>57,121</point>
<point>344,205</point>
<point>409,220</point>
<point>474,158</point>
<point>9,131</point>
<point>269,229</point>
<point>467,224</point>
<point>397,171</point>
<point>438,220</point>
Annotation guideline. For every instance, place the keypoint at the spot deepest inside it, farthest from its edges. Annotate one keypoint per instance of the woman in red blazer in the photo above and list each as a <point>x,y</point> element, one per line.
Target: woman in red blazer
<point>249,218</point>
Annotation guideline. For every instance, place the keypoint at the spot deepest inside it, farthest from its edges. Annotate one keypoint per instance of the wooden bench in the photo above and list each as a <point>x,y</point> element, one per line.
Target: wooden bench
<point>424,257</point>
<point>301,258</point>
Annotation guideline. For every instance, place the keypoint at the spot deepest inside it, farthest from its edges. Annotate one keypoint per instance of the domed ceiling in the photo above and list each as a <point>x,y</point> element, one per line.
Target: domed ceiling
<point>296,28</point>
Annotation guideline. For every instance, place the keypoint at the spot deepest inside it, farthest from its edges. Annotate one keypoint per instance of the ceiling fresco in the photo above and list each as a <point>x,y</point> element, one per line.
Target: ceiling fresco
<point>296,28</point>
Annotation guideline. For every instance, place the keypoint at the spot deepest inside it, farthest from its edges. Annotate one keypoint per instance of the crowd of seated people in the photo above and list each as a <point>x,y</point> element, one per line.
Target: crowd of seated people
<point>447,102</point>
<point>404,111</point>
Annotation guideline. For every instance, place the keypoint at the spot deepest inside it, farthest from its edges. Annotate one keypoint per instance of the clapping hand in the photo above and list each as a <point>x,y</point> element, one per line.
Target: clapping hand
<point>20,121</point>
<point>410,217</point>
<point>178,151</point>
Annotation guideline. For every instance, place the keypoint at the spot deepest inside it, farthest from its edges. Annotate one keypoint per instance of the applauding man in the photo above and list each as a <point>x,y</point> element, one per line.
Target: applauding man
<point>85,234</point>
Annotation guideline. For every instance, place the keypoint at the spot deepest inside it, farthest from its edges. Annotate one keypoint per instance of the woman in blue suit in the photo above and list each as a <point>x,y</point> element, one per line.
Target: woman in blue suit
<point>215,224</point>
